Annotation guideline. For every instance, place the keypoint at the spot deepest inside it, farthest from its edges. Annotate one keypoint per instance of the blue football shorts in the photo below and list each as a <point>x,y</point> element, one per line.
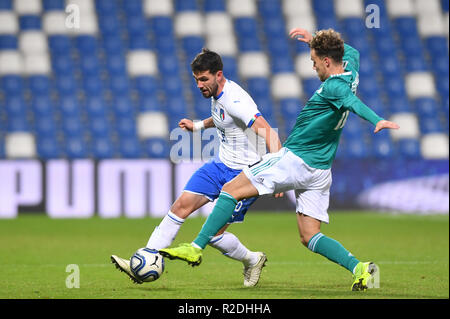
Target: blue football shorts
<point>208,181</point>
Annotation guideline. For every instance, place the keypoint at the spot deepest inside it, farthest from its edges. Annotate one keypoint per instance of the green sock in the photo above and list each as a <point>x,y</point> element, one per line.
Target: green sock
<point>333,250</point>
<point>218,218</point>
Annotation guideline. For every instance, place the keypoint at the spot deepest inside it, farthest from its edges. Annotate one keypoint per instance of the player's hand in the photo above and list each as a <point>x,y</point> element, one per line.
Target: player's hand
<point>385,124</point>
<point>279,195</point>
<point>186,124</point>
<point>301,35</point>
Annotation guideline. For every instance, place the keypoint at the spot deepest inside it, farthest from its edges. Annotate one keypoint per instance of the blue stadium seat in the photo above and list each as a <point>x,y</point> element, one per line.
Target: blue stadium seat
<point>394,86</point>
<point>39,84</point>
<point>69,106</point>
<point>72,127</point>
<point>214,5</point>
<point>192,45</point>
<point>137,26</point>
<point>132,7</point>
<point>442,86</point>
<point>123,106</point>
<point>106,7</point>
<point>18,123</point>
<point>270,9</point>
<point>245,27</point>
<point>278,45</point>
<point>426,106</point>
<point>149,102</point>
<point>389,65</point>
<point>437,46</point>
<point>66,84</point>
<point>409,148</point>
<point>129,147</point>
<point>290,107</point>
<point>7,5</point>
<point>230,68</point>
<point>366,66</point>
<point>95,106</point>
<point>162,26</point>
<point>385,47</point>
<point>176,106</point>
<point>92,84</point>
<point>99,127</point>
<point>119,84</point>
<point>353,27</point>
<point>397,104</point>
<point>249,44</point>
<point>126,126</point>
<point>357,148</point>
<point>8,42</point>
<point>353,128</point>
<point>259,87</point>
<point>75,147</point>
<point>116,65</point>
<point>360,43</point>
<point>375,103</point>
<point>168,65</point>
<point>45,127</point>
<point>42,106</point>
<point>165,45</point>
<point>49,147</point>
<point>323,8</point>
<point>113,44</point>
<point>90,65</point>
<point>186,5</point>
<point>368,86</point>
<point>406,26</point>
<point>265,106</point>
<point>15,106</point>
<point>50,5</point>
<point>109,24</point>
<point>86,44</point>
<point>383,147</point>
<point>282,63</point>
<point>173,84</point>
<point>102,148</point>
<point>12,84</point>
<point>30,22</point>
<point>430,124</point>
<point>63,65</point>
<point>274,27</point>
<point>440,66</point>
<point>60,45</point>
<point>146,85</point>
<point>156,148</point>
<point>202,107</point>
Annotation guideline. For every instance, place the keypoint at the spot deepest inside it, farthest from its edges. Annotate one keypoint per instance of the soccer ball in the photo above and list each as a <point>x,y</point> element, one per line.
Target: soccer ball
<point>147,264</point>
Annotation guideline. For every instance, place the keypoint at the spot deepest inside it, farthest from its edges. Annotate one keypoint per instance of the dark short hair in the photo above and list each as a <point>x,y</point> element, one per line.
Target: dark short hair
<point>207,61</point>
<point>328,43</point>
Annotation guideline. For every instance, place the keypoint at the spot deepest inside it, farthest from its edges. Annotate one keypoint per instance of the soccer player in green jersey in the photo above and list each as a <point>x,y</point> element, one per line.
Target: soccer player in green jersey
<point>304,162</point>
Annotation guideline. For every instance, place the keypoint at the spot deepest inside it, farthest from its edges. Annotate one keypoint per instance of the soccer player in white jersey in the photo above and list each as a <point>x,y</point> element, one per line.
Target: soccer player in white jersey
<point>235,116</point>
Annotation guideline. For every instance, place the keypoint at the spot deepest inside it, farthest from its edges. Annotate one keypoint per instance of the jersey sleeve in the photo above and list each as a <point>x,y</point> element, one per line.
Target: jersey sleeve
<point>339,94</point>
<point>351,56</point>
<point>244,109</point>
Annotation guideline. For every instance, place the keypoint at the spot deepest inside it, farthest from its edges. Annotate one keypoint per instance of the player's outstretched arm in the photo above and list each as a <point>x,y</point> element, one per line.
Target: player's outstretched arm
<point>385,124</point>
<point>187,124</point>
<point>263,129</point>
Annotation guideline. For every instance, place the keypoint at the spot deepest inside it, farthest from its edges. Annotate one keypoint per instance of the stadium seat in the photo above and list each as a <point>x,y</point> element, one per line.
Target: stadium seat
<point>45,127</point>
<point>129,147</point>
<point>11,62</point>
<point>49,148</point>
<point>310,86</point>
<point>156,148</point>
<point>50,5</point>
<point>382,147</point>
<point>53,22</point>
<point>141,62</point>
<point>286,85</point>
<point>75,147</point>
<point>419,84</point>
<point>349,8</point>
<point>20,145</point>
<point>409,148</point>
<point>12,84</point>
<point>435,146</point>
<point>152,124</point>
<point>154,8</point>
<point>399,8</point>
<point>189,23</point>
<point>102,148</point>
<point>242,8</point>
<point>8,42</point>
<point>214,6</point>
<point>10,23</point>
<point>253,64</point>
<point>409,124</point>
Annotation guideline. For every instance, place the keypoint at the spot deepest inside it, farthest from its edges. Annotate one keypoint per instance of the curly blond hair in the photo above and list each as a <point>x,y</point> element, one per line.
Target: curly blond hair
<point>328,43</point>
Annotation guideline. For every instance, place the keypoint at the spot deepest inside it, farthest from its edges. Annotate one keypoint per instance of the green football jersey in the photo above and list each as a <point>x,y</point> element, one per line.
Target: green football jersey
<point>316,133</point>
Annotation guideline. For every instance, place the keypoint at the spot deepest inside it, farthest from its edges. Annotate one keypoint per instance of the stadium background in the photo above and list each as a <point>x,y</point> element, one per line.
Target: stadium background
<point>111,90</point>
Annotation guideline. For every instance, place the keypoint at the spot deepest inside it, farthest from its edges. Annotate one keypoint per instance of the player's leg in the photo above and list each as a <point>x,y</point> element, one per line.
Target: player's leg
<point>230,245</point>
<point>164,234</point>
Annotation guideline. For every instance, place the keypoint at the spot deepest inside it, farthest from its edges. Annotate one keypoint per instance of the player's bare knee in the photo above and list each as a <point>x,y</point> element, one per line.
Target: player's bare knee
<point>181,208</point>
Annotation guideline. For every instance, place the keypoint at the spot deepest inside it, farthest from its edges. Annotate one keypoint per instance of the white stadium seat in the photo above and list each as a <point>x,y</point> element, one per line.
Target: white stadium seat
<point>434,146</point>
<point>23,7</point>
<point>253,64</point>
<point>152,124</point>
<point>349,8</point>
<point>304,66</point>
<point>158,8</point>
<point>242,8</point>
<point>10,62</point>
<point>223,45</point>
<point>54,22</point>
<point>218,24</point>
<point>420,84</point>
<point>9,23</point>
<point>33,42</point>
<point>286,85</point>
<point>307,22</point>
<point>189,23</point>
<point>430,25</point>
<point>20,145</point>
<point>37,64</point>
<point>428,7</point>
<point>409,126</point>
<point>399,8</point>
<point>85,6</point>
<point>297,8</point>
<point>88,24</point>
<point>141,62</point>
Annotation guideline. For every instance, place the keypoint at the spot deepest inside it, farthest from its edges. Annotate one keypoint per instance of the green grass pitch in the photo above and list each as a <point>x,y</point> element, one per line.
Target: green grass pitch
<point>411,251</point>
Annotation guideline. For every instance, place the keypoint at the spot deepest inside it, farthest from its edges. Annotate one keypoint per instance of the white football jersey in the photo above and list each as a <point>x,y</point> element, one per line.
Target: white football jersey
<point>233,113</point>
